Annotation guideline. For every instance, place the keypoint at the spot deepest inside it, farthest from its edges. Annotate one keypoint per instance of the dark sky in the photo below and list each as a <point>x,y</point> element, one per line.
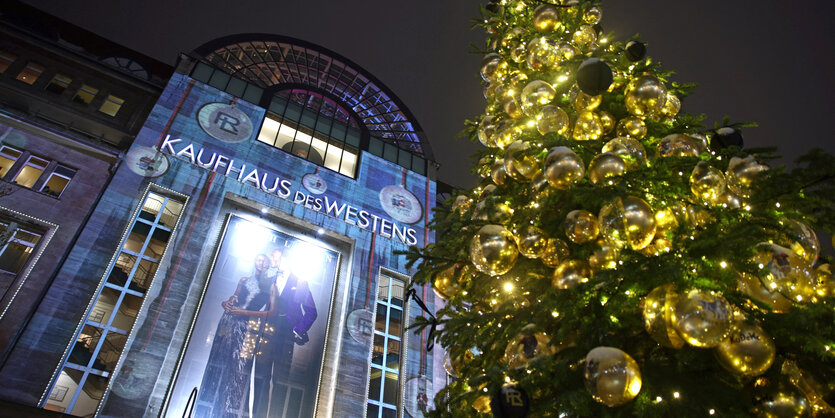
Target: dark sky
<point>765,61</point>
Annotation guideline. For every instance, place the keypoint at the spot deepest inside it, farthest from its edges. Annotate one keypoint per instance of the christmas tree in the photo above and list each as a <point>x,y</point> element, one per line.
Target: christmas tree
<point>618,257</point>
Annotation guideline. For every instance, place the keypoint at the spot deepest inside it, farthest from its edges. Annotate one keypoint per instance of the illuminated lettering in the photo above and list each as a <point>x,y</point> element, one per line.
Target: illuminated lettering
<point>201,163</point>
<point>331,206</point>
<point>298,197</point>
<point>285,189</point>
<point>362,219</point>
<point>221,162</point>
<point>350,213</point>
<point>251,177</point>
<point>188,151</point>
<point>167,143</point>
<point>411,239</point>
<point>385,228</point>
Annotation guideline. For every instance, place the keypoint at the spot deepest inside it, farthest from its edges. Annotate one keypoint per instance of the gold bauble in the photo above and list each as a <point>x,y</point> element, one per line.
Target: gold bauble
<point>518,165</point>
<point>628,221</point>
<point>542,54</point>
<point>485,164</point>
<point>507,133</point>
<point>517,78</point>
<point>611,376</point>
<point>630,151</point>
<point>658,246</point>
<point>678,145</point>
<point>512,106</point>
<point>659,315</point>
<point>519,53</point>
<point>531,241</point>
<point>486,130</point>
<point>671,106</point>
<point>581,226</point>
<point>825,287</point>
<point>493,250</point>
<point>584,36</point>
<point>571,273</point>
<point>583,101</point>
<point>526,347</point>
<point>748,351</point>
<point>482,404</point>
<point>632,127</point>
<point>804,241</point>
<point>459,358</point>
<point>546,18</point>
<point>498,173</point>
<point>703,318</point>
<point>607,121</point>
<point>751,285</point>
<point>513,37</point>
<point>645,96</point>
<point>538,181</point>
<point>552,119</point>
<point>448,281</point>
<point>536,94</point>
<point>784,272</point>
<point>605,257</point>
<point>488,190</point>
<point>565,51</point>
<point>461,203</point>
<point>784,404</point>
<point>728,199</point>
<point>587,126</point>
<point>563,168</point>
<point>556,251</point>
<point>489,66</point>
<point>605,166</point>
<point>742,172</point>
<point>493,211</point>
<point>593,15</point>
<point>707,182</point>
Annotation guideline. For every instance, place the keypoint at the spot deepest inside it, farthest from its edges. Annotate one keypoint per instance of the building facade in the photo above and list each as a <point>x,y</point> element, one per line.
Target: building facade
<point>240,256</point>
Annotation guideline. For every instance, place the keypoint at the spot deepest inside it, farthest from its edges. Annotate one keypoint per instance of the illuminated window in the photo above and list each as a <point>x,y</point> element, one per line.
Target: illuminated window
<point>6,59</point>
<point>58,180</point>
<point>58,84</point>
<point>93,356</point>
<point>384,384</point>
<point>111,105</point>
<point>33,169</point>
<point>16,246</point>
<point>85,94</point>
<point>30,73</point>
<point>8,156</point>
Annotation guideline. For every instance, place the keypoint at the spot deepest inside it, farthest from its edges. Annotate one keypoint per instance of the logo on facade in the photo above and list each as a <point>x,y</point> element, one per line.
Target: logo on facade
<point>225,122</point>
<point>400,204</point>
<point>314,184</point>
<point>147,162</point>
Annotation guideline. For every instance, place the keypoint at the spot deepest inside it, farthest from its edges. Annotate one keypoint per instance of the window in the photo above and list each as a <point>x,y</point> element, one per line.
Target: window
<point>30,73</point>
<point>33,169</point>
<point>16,246</point>
<point>383,388</point>
<point>8,156</point>
<point>93,356</point>
<point>397,155</point>
<point>58,180</point>
<point>85,94</point>
<point>58,84</point>
<point>6,59</point>
<point>111,105</point>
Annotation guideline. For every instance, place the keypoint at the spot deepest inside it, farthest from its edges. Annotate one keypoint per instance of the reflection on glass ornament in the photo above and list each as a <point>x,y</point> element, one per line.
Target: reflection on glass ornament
<point>482,404</point>
<point>632,127</point>
<point>748,351</point>
<point>565,51</point>
<point>605,166</point>
<point>519,53</point>
<point>536,94</point>
<point>785,403</point>
<point>507,133</point>
<point>587,126</point>
<point>488,190</point>
<point>584,36</point>
<point>498,173</point>
<point>531,241</point>
<point>519,166</point>
<point>607,121</point>
<point>581,226</point>
<point>671,106</point>
<point>728,199</point>
<point>593,15</point>
<point>461,203</point>
<point>552,119</point>
<point>658,246</point>
<point>583,101</point>
<point>804,241</point>
<point>489,65</point>
<point>459,358</point>
<point>630,151</point>
<point>493,211</point>
<point>447,282</point>
<point>542,53</point>
<point>485,164</point>
<point>703,318</point>
<point>645,96</point>
<point>678,145</point>
<point>526,347</point>
<point>825,287</point>
<point>707,182</point>
<point>611,376</point>
<point>751,285</point>
<point>546,18</point>
<point>785,272</point>
<point>538,181</point>
<point>486,130</point>
<point>605,257</point>
<point>659,315</point>
<point>512,37</point>
<point>571,273</point>
<point>563,168</point>
<point>556,251</point>
<point>512,106</point>
<point>493,250</point>
<point>741,174</point>
<point>628,221</point>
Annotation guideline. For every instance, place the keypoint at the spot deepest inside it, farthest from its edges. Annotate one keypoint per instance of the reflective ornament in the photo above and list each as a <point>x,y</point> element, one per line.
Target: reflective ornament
<point>630,151</point>
<point>605,166</point>
<point>607,121</point>
<point>783,404</point>
<point>593,75</point>
<point>809,387</point>
<point>512,106</point>
<point>488,190</point>
<point>447,282</point>
<point>566,51</point>
<point>526,347</point>
<point>489,65</point>
<point>658,246</point>
<point>581,226</point>
<point>726,137</point>
<point>485,164</point>
<point>556,251</point>
<point>748,351</point>
<point>563,168</point>
<point>538,181</point>
<point>542,54</point>
<point>461,203</point>
<point>511,401</point>
<point>645,96</point>
<point>546,18</point>
<point>703,318</point>
<point>517,78</point>
<point>536,94</point>
<point>584,35</point>
<point>498,173</point>
<point>493,250</point>
<point>671,106</point>
<point>632,127</point>
<point>741,174</point>
<point>519,53</point>
<point>678,145</point>
<point>659,315</point>
<point>751,285</point>
<point>707,182</point>
<point>482,404</point>
<point>507,133</point>
<point>728,199</point>
<point>605,257</point>
<point>571,273</point>
<point>804,241</point>
<point>635,51</point>
<point>459,358</point>
<point>531,241</point>
<point>628,221</point>
<point>492,211</point>
<point>593,15</point>
<point>785,272</point>
<point>583,101</point>
<point>518,165</point>
<point>552,119</point>
<point>611,376</point>
<point>486,130</point>
<point>587,126</point>
<point>825,286</point>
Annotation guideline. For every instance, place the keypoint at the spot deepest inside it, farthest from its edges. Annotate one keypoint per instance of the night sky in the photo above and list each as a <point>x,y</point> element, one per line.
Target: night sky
<point>764,61</point>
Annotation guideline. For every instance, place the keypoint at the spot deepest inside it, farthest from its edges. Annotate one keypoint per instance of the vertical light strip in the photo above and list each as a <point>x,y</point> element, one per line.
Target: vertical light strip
<point>384,400</point>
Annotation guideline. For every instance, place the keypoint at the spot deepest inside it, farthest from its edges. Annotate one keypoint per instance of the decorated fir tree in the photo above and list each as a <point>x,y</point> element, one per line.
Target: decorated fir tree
<point>618,258</point>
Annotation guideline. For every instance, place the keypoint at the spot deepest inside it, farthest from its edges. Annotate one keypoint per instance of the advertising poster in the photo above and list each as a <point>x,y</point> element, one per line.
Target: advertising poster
<point>257,345</point>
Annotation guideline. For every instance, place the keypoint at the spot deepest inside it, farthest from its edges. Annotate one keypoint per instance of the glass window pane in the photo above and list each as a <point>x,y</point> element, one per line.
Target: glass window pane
<point>418,165</point>
<point>375,146</point>
<point>31,171</point>
<point>30,73</point>
<point>393,354</point>
<point>58,181</point>
<point>383,289</point>
<point>157,243</point>
<point>323,125</point>
<point>390,390</point>
<point>319,146</point>
<point>137,236</point>
<point>253,93</point>
<point>376,382</point>
<point>110,351</point>
<point>62,392</point>
<point>85,94</point>
<point>395,322</point>
<point>152,206</point>
<point>17,252</point>
<point>171,213</point>
<point>219,80</point>
<point>378,351</point>
<point>333,156</point>
<point>111,105</point>
<point>236,87</point>
<point>293,112</point>
<point>92,392</point>
<point>308,118</point>
<point>104,305</point>
<point>8,156</point>
<point>353,137</point>
<point>143,275</point>
<point>349,163</point>
<point>269,130</point>
<point>85,344</point>
<point>397,291</point>
<point>390,152</point>
<point>6,59</point>
<point>121,270</point>
<point>285,136</point>
<point>380,322</point>
<point>404,159</point>
<point>202,72</point>
<point>127,312</point>
<point>59,83</point>
<point>338,131</point>
<point>389,413</point>
<point>373,411</point>
<point>277,105</point>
